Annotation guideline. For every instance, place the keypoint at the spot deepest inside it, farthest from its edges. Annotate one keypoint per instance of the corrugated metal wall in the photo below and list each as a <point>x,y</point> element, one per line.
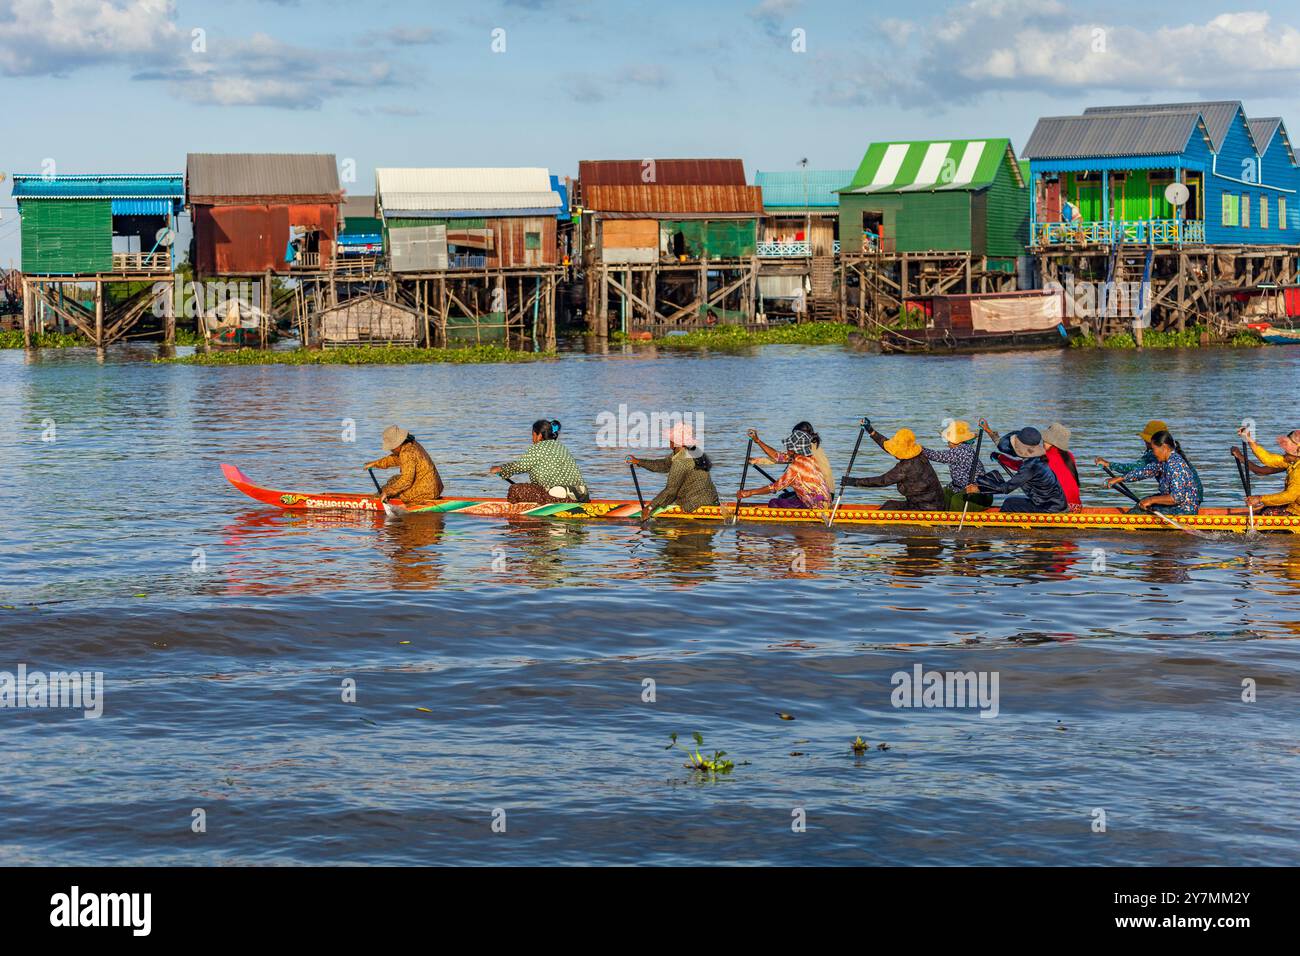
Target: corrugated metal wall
<point>232,240</point>
<point>516,240</point>
<point>67,236</point>
<point>1001,227</point>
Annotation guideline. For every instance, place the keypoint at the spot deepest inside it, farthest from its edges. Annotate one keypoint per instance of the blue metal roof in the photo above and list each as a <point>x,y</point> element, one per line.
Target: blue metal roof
<point>787,188</point>
<point>114,186</point>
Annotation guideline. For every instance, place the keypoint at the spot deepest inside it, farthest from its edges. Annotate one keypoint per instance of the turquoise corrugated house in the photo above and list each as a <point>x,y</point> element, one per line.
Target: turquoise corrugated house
<point>1105,177</point>
<point>801,212</point>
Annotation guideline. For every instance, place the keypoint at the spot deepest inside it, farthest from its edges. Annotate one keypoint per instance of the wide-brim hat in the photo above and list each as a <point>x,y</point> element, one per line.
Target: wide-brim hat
<point>1057,435</point>
<point>1027,443</point>
<point>799,442</point>
<point>1153,426</point>
<point>903,445</point>
<point>394,436</point>
<point>957,432</point>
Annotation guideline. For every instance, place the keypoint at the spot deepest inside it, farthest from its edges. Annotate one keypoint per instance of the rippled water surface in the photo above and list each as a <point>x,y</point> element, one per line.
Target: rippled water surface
<point>502,666</point>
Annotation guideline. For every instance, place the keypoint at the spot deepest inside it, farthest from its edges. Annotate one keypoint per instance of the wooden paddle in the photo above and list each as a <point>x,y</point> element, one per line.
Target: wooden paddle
<point>974,469</point>
<point>862,430</point>
<point>639,497</point>
<point>744,473</point>
<point>379,488</point>
<point>1245,480</point>
<point>1128,492</point>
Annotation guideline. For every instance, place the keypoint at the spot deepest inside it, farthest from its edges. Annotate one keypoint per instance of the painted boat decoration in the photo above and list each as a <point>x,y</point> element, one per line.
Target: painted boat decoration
<point>1274,335</point>
<point>1209,520</point>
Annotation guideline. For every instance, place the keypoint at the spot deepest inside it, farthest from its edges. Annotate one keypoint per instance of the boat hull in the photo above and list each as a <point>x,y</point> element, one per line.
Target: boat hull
<point>869,516</point>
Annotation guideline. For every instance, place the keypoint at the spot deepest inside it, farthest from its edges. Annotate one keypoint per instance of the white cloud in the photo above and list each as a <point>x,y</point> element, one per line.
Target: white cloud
<point>1041,46</point>
<point>55,37</point>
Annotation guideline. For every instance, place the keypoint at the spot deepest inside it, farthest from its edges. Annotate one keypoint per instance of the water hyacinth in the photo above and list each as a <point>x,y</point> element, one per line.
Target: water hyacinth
<point>363,355</point>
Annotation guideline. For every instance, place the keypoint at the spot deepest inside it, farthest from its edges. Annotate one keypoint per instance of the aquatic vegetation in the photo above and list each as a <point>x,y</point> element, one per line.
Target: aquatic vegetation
<point>696,761</point>
<point>732,337</point>
<point>363,355</point>
<point>13,339</point>
<point>1189,338</point>
<point>860,746</point>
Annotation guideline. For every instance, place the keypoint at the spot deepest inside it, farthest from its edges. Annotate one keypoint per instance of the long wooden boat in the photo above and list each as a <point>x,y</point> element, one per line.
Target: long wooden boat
<point>1209,520</point>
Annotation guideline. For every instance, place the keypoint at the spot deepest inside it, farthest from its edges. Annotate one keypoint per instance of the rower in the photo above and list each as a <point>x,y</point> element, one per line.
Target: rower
<point>1287,501</point>
<point>1179,488</point>
<point>788,497</point>
<point>1148,457</point>
<point>1032,475</point>
<point>553,474</point>
<point>418,482</point>
<point>913,474</point>
<point>959,456</point>
<point>689,485</point>
<point>802,473</point>
<point>1056,439</point>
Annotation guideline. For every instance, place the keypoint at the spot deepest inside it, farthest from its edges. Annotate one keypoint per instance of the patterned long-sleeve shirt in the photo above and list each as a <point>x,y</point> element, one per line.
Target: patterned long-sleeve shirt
<point>958,460</point>
<point>1176,478</point>
<point>805,477</point>
<point>548,464</point>
<point>418,482</point>
<point>688,487</point>
<point>1289,496</point>
<point>1148,457</point>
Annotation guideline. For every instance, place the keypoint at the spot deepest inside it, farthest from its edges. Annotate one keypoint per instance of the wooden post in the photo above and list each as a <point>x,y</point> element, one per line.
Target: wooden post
<point>169,320</point>
<point>99,313</point>
<point>29,303</point>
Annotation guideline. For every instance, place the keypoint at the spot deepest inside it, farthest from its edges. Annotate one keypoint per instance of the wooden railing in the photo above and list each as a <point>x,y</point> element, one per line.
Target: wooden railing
<point>1138,231</point>
<point>306,260</point>
<point>160,261</point>
<point>783,250</point>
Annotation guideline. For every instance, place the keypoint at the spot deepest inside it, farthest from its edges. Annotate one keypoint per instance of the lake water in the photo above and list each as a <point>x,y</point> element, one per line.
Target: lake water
<point>500,668</point>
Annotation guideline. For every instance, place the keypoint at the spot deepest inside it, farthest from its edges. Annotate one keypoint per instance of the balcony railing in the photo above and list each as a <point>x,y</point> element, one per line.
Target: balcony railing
<point>466,261</point>
<point>1138,231</point>
<point>784,250</point>
<point>306,260</point>
<point>160,261</point>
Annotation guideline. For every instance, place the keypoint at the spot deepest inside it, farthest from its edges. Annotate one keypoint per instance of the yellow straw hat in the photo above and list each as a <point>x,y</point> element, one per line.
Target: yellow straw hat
<point>903,445</point>
<point>957,432</point>
<point>1153,426</point>
<point>394,436</point>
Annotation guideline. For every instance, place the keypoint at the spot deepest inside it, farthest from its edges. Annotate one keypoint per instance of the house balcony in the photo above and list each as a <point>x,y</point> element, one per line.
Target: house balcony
<point>143,262</point>
<point>1147,232</point>
<point>790,250</point>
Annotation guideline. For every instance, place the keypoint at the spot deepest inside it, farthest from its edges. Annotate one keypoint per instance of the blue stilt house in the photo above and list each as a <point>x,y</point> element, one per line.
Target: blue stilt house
<point>1103,177</point>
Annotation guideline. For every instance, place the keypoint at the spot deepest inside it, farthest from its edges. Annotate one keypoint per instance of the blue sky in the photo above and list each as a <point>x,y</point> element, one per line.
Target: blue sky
<point>770,81</point>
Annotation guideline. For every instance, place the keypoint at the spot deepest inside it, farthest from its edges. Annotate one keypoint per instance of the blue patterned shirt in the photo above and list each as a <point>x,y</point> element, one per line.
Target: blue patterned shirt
<point>1175,477</point>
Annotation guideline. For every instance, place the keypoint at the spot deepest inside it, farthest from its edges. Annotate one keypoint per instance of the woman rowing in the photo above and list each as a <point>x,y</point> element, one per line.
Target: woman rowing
<point>789,498</point>
<point>1148,457</point>
<point>1179,492</point>
<point>1033,476</point>
<point>689,485</point>
<point>913,474</point>
<point>1056,440</point>
<point>553,473</point>
<point>959,456</point>
<point>1287,501</point>
<point>802,474</point>
<point>418,482</point>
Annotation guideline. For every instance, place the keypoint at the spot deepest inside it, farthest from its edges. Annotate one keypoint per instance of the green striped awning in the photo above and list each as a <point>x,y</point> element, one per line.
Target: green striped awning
<point>932,165</point>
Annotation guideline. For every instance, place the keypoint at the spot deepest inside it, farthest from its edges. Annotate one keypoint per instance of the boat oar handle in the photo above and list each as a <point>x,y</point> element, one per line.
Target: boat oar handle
<point>1122,488</point>
<point>744,473</point>
<point>639,497</point>
<point>378,487</point>
<point>759,469</point>
<point>844,478</point>
<point>1245,467</point>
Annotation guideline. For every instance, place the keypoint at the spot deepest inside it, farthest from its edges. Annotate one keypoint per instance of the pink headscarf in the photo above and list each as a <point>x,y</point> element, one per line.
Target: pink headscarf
<point>681,434</point>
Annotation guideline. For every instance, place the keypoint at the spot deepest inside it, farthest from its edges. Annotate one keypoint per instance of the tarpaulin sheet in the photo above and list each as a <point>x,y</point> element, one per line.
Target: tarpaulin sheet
<point>1019,314</point>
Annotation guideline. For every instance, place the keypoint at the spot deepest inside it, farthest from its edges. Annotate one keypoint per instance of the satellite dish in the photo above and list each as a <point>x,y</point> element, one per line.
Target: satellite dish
<point>1176,194</point>
<point>164,236</point>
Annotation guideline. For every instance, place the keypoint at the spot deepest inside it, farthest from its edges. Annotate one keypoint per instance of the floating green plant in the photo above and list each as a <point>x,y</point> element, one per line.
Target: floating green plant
<point>697,761</point>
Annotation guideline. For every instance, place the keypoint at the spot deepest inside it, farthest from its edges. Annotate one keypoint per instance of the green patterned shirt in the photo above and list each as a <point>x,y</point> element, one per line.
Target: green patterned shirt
<point>548,464</point>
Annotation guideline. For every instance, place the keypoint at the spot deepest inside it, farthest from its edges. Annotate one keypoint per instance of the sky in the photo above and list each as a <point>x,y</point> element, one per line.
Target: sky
<point>133,85</point>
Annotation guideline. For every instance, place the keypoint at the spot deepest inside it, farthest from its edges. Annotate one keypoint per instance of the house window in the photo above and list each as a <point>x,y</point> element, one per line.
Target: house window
<point>1229,209</point>
<point>1281,212</point>
<point>1245,212</point>
<point>1263,212</point>
<point>532,240</point>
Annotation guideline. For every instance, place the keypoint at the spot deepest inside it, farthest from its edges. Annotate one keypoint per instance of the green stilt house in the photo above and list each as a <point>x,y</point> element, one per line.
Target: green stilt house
<point>960,196</point>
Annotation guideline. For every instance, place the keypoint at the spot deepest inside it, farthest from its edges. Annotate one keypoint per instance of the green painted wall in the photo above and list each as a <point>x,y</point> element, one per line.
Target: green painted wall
<point>67,236</point>
<point>1140,196</point>
<point>917,222</point>
<point>1001,221</point>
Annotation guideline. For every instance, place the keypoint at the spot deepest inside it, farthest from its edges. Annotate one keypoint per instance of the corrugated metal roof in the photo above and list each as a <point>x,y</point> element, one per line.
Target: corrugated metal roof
<point>1113,134</point>
<point>112,186</point>
<point>433,190</point>
<point>1218,114</point>
<point>917,166</point>
<point>359,207</point>
<point>802,187</point>
<point>1262,130</point>
<point>671,200</point>
<point>234,175</point>
<point>665,172</point>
